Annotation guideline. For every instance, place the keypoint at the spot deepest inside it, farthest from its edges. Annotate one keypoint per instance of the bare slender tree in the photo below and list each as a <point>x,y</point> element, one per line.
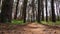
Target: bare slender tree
<point>39,11</point>
<point>15,15</point>
<point>53,11</point>
<point>33,6</point>
<point>42,10</point>
<point>24,10</point>
<point>46,12</point>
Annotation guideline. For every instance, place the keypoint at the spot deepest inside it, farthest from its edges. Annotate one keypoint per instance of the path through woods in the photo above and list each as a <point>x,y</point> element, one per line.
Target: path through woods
<point>32,28</point>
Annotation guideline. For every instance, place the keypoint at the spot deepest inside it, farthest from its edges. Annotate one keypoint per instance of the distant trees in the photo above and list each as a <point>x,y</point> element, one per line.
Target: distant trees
<point>35,10</point>
<point>6,11</point>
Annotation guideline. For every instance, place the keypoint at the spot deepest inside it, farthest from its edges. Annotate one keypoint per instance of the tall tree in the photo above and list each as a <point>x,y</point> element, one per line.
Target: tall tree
<point>57,7</point>
<point>6,11</point>
<point>24,10</point>
<point>39,11</point>
<point>46,12</point>
<point>59,11</point>
<point>33,6</point>
<point>42,11</point>
<point>15,15</point>
<point>53,11</point>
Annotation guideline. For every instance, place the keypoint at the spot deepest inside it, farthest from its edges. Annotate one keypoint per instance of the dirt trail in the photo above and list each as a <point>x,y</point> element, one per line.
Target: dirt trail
<point>32,28</point>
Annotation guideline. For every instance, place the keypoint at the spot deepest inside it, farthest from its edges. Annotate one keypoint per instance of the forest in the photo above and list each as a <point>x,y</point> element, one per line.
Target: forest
<point>30,14</point>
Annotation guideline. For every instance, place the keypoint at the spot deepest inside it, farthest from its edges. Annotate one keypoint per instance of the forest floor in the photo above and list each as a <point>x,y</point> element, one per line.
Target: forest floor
<point>31,28</point>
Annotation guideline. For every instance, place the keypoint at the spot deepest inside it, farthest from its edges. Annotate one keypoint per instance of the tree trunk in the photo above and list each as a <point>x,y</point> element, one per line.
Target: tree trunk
<point>24,10</point>
<point>39,11</point>
<point>46,12</point>
<point>15,15</point>
<point>42,11</point>
<point>6,11</point>
<point>53,11</point>
<point>57,7</point>
<point>33,6</point>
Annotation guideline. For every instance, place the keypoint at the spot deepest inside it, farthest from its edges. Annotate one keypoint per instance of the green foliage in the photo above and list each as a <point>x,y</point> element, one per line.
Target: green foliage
<point>17,22</point>
<point>51,23</point>
<point>58,22</point>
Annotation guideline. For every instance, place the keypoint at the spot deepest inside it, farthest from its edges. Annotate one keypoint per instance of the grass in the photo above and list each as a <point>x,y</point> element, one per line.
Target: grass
<point>43,22</point>
<point>51,23</point>
<point>17,22</point>
<point>58,22</point>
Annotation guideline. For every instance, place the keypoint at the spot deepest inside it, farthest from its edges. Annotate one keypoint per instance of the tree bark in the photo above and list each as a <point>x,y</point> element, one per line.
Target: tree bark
<point>42,11</point>
<point>57,7</point>
<point>53,11</point>
<point>24,10</point>
<point>39,11</point>
<point>46,12</point>
<point>15,15</point>
<point>33,6</point>
<point>6,11</point>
